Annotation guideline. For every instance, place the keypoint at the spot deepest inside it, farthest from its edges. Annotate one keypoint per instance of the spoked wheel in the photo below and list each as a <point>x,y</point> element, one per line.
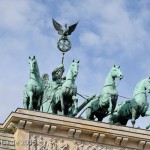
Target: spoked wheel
<point>64,44</point>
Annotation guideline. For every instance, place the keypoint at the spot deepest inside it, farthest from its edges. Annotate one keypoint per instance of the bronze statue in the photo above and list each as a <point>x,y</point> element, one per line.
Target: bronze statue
<point>104,104</point>
<point>64,44</point>
<point>65,99</point>
<point>134,108</point>
<point>59,94</point>
<point>33,91</point>
<point>52,86</point>
<point>64,32</point>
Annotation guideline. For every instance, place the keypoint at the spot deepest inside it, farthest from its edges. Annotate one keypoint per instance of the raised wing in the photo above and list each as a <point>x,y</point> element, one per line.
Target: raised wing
<point>58,27</point>
<point>71,28</point>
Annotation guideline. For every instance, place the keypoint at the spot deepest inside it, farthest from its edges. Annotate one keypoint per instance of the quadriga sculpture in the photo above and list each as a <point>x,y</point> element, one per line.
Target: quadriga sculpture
<point>33,90</point>
<point>65,99</point>
<point>104,104</point>
<point>133,109</point>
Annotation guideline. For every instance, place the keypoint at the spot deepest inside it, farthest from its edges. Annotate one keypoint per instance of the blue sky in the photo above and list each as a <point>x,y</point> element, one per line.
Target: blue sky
<point>109,32</point>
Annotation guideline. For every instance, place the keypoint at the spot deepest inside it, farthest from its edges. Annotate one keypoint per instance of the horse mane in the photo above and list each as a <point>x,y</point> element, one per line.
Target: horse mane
<point>37,68</point>
<point>138,86</point>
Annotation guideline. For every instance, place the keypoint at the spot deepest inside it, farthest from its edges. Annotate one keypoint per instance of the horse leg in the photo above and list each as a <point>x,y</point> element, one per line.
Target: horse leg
<point>147,113</point>
<point>133,116</point>
<point>122,121</point>
<point>111,118</point>
<point>110,105</point>
<point>89,114</point>
<point>39,103</point>
<point>62,103</point>
<point>25,100</point>
<point>31,100</point>
<point>66,111</point>
<point>75,100</point>
<point>112,111</point>
<point>148,126</point>
<point>25,103</point>
<point>100,118</point>
<point>114,118</point>
<point>52,107</point>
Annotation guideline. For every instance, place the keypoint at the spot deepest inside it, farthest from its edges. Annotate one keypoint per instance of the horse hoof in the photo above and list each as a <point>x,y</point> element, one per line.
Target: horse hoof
<point>30,107</point>
<point>110,122</point>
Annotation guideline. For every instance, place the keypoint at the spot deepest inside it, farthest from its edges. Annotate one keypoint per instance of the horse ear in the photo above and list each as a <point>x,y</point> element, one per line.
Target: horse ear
<point>114,65</point>
<point>33,57</point>
<point>29,57</point>
<point>78,61</point>
<point>73,61</point>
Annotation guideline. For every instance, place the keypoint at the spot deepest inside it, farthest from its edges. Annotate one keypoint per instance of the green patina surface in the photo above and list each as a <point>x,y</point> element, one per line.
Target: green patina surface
<point>33,90</point>
<point>105,103</point>
<point>59,94</point>
<point>134,108</point>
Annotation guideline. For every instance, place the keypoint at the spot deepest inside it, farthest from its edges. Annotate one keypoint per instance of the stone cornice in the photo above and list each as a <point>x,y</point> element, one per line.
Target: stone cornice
<point>91,131</point>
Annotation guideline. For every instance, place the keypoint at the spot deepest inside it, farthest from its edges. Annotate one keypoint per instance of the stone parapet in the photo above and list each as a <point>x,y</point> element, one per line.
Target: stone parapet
<point>35,130</point>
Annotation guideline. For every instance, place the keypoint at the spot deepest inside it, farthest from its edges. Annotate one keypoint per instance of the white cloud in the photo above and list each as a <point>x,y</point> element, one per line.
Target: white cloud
<point>89,39</point>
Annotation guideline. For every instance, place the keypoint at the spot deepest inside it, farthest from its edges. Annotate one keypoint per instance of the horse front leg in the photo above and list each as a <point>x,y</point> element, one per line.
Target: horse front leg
<point>25,100</point>
<point>111,117</point>
<point>148,126</point>
<point>62,103</point>
<point>133,116</point>
<point>110,106</point>
<point>75,100</point>
<point>31,100</point>
<point>110,110</point>
<point>147,113</point>
<point>39,103</point>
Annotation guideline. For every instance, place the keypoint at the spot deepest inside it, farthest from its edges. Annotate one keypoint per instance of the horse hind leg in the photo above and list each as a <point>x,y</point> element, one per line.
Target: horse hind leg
<point>123,121</point>
<point>114,118</point>
<point>39,103</point>
<point>100,118</point>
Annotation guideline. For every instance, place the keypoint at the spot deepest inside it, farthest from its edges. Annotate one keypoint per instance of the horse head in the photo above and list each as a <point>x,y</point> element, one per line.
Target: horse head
<point>142,87</point>
<point>74,68</point>
<point>32,63</point>
<point>116,72</point>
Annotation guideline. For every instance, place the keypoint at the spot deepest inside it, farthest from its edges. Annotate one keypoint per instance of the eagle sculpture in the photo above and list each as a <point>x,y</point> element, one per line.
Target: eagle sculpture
<point>64,32</point>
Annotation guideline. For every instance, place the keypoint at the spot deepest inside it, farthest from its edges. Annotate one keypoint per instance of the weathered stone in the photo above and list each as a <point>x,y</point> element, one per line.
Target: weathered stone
<point>69,133</point>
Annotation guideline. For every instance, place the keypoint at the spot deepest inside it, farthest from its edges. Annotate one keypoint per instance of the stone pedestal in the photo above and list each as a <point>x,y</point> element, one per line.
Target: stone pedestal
<point>31,130</point>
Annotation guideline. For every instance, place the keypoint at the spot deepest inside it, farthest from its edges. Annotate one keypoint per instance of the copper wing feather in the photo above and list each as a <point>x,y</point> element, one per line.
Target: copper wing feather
<point>71,28</point>
<point>58,27</point>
